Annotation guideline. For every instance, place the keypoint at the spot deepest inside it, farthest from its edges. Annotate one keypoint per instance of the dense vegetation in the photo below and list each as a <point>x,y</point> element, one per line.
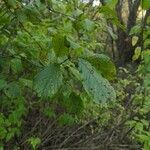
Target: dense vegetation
<point>74,75</point>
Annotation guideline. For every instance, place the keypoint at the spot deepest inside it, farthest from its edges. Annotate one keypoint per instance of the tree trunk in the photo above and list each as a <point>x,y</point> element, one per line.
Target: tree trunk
<point>124,41</point>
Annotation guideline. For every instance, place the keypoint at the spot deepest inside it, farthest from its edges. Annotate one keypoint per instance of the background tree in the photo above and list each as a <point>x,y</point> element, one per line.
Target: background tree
<point>129,19</point>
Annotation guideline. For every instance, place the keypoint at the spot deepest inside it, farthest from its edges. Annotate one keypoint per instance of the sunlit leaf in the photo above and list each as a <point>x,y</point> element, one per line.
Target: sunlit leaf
<point>134,40</point>
<point>137,53</point>
<point>98,88</point>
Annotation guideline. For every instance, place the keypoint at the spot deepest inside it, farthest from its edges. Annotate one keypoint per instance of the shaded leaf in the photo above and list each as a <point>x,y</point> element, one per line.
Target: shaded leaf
<point>3,84</point>
<point>58,43</point>
<point>48,81</point>
<point>136,29</point>
<point>66,119</point>
<point>26,82</point>
<point>12,3</point>
<point>16,65</point>
<point>103,65</point>
<point>88,25</point>
<point>75,72</point>
<point>74,103</point>
<point>13,90</point>
<point>49,112</point>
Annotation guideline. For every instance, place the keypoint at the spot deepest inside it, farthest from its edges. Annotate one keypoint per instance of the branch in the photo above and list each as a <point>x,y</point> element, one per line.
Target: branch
<point>64,61</point>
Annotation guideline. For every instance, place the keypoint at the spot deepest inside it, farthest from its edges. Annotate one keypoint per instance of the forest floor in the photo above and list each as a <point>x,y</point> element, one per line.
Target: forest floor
<point>90,135</point>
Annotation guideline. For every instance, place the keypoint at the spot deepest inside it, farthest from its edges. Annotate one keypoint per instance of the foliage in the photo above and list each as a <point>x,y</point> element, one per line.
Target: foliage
<point>97,87</point>
<point>141,122</point>
<point>53,65</point>
<point>48,81</point>
<point>34,142</point>
<point>43,53</point>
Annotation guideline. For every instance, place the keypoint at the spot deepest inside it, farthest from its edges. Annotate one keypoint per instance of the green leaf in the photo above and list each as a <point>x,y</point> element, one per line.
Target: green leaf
<point>148,20</point>
<point>112,34</point>
<point>48,81</point>
<point>136,29</point>
<point>75,46</point>
<point>32,12</point>
<point>77,12</point>
<point>107,11</point>
<point>137,53</point>
<point>3,132</point>
<point>34,142</point>
<point>2,119</point>
<point>13,90</point>
<point>21,15</point>
<point>3,39</point>
<point>110,14</point>
<point>88,25</point>
<point>103,65</point>
<point>146,43</point>
<point>66,119</point>
<point>98,88</point>
<point>9,136</point>
<point>16,65</point>
<point>74,103</point>
<point>12,3</point>
<point>75,72</point>
<point>111,3</point>
<point>26,82</point>
<point>49,112</point>
<point>3,84</point>
<point>134,40</point>
<point>1,146</point>
<point>145,4</point>
<point>146,56</point>
<point>58,43</point>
